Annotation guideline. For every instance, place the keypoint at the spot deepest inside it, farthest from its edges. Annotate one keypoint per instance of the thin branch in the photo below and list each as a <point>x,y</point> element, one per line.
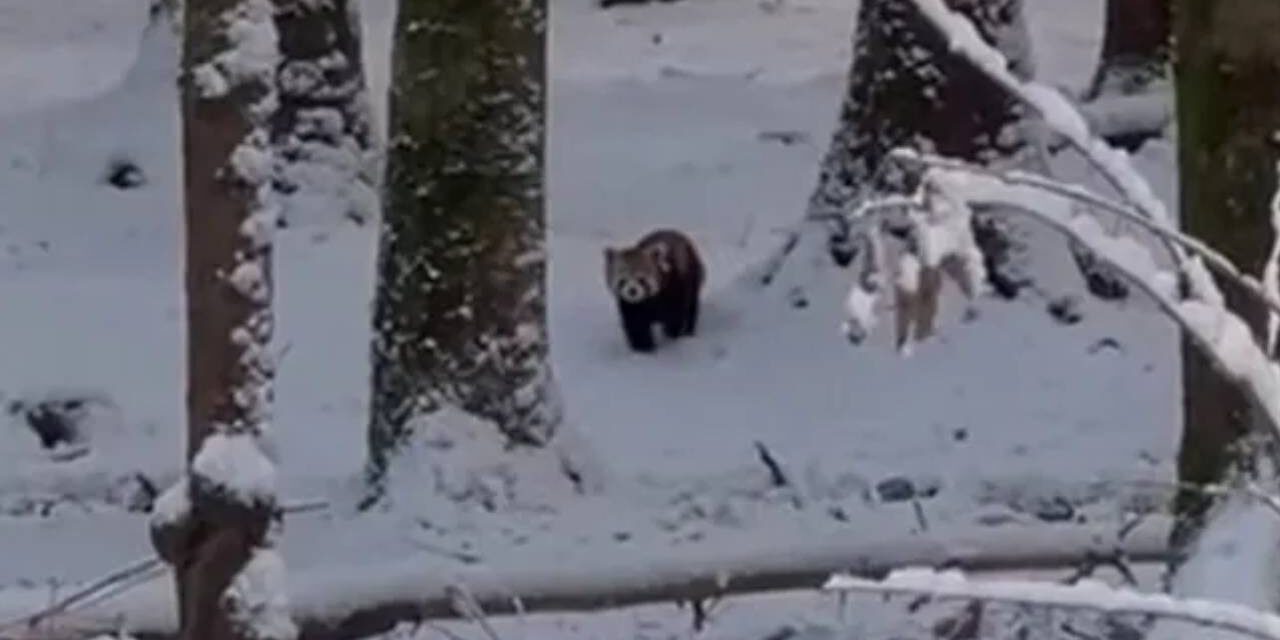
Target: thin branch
<point>62,605</point>
<point>1088,595</point>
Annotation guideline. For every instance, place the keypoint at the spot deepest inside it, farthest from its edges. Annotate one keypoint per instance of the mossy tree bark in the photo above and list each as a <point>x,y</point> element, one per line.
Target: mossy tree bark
<point>1228,91</point>
<point>460,309</point>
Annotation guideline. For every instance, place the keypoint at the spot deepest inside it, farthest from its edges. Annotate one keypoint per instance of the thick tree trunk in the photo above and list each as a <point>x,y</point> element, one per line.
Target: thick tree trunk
<point>213,526</point>
<point>1228,90</point>
<point>1135,47</point>
<point>460,309</point>
<point>322,127</point>
<point>906,89</point>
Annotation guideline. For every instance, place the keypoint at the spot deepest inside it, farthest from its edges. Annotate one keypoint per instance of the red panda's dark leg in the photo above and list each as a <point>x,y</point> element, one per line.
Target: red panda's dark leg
<point>637,323</point>
<point>674,304</point>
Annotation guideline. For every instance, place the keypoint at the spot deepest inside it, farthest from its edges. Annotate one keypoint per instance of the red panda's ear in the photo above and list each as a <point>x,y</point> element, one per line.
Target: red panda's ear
<point>658,253</point>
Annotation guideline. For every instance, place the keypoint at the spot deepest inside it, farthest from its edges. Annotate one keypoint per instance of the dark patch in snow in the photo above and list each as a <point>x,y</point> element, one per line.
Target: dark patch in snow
<point>1066,310</point>
<point>902,489</point>
<point>998,256</point>
<point>798,298</point>
<point>960,435</point>
<point>1105,343</point>
<point>56,421</point>
<point>843,249</point>
<point>123,173</point>
<point>1056,510</point>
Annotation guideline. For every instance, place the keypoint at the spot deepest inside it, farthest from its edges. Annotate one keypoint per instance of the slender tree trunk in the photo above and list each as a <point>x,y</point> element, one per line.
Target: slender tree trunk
<point>905,88</point>
<point>215,526</point>
<point>1135,47</point>
<point>1228,92</point>
<point>460,309</point>
<point>322,127</point>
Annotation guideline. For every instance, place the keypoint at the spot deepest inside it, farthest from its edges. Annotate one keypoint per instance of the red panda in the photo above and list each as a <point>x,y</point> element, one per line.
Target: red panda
<point>656,281</point>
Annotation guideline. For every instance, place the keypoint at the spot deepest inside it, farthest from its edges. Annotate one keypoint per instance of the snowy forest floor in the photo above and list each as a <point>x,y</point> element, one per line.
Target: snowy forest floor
<point>660,115</point>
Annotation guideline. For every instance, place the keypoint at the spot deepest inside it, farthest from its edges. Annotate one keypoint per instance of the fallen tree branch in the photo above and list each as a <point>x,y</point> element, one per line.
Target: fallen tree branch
<point>1090,595</point>
<point>345,603</point>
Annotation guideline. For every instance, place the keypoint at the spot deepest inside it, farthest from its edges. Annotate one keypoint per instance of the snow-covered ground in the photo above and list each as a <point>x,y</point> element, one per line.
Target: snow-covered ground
<point>656,119</point>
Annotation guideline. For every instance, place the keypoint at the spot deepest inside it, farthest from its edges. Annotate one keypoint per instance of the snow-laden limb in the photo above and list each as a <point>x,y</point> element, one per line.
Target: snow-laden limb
<point>1056,110</point>
<point>348,602</point>
<point>1223,335</point>
<point>1214,259</point>
<point>1087,594</point>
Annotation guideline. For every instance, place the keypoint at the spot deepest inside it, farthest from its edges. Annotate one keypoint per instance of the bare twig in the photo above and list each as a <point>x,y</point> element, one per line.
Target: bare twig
<point>62,605</point>
<point>777,477</point>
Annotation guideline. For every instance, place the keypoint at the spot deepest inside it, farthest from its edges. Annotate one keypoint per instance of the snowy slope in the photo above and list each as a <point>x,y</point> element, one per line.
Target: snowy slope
<point>656,116</point>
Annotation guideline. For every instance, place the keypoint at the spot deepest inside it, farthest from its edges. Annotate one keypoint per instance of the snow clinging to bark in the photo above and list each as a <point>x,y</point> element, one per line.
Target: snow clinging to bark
<point>173,505</point>
<point>256,597</point>
<point>252,55</point>
<point>236,464</point>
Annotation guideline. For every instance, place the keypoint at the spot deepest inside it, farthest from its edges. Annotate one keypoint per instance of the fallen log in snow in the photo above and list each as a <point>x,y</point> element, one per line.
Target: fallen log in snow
<point>347,602</point>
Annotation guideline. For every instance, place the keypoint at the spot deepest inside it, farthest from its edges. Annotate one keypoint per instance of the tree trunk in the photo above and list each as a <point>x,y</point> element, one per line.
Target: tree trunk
<point>1228,92</point>
<point>905,88</point>
<point>460,308</point>
<point>214,526</point>
<point>1135,47</point>
<point>322,127</point>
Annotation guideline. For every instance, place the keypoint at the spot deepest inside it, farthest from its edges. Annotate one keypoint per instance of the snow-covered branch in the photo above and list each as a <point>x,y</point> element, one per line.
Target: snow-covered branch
<point>1056,110</point>
<point>939,241</point>
<point>1087,595</point>
<point>1214,259</point>
<point>1223,335</point>
<point>342,603</point>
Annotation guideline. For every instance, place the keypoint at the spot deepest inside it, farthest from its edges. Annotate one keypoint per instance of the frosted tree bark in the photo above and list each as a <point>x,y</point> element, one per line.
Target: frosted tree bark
<point>1135,47</point>
<point>216,526</point>
<point>1228,93</point>
<point>322,127</point>
<point>460,309</point>
<point>905,89</point>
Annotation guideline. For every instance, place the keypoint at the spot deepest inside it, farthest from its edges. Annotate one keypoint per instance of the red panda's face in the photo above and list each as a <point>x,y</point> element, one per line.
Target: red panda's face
<point>632,274</point>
